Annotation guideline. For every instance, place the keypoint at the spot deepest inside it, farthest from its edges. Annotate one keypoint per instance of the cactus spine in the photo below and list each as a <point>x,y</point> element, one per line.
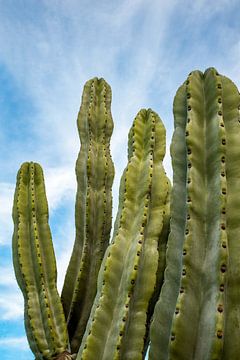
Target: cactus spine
<point>35,266</point>
<point>198,313</point>
<point>117,324</point>
<point>95,172</point>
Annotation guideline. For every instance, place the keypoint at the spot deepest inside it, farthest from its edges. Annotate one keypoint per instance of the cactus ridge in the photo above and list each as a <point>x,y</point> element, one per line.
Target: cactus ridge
<point>119,293</point>
<point>162,246</point>
<point>161,325</point>
<point>231,117</point>
<point>195,322</point>
<point>95,172</point>
<point>35,265</point>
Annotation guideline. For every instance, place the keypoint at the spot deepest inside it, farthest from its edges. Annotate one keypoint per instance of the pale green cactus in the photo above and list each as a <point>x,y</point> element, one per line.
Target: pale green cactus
<point>197,316</point>
<point>93,210</point>
<point>198,312</point>
<point>35,266</point>
<point>117,327</point>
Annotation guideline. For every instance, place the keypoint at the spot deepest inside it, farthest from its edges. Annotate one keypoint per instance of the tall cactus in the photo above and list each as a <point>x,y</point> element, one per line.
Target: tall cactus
<point>117,325</point>
<point>93,210</point>
<point>198,313</point>
<point>35,266</point>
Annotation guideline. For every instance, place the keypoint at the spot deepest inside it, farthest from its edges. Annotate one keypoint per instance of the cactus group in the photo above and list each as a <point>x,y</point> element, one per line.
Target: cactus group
<point>110,290</point>
<point>178,292</point>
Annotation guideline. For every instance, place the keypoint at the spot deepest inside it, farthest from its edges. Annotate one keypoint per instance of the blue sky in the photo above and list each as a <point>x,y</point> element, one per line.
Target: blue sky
<point>48,49</point>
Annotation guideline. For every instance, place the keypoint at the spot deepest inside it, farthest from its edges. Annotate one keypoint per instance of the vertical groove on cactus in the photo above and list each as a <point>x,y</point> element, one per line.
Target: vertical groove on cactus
<point>161,325</point>
<point>231,117</point>
<point>196,277</point>
<point>161,267</point>
<point>120,307</point>
<point>95,172</point>
<point>35,265</point>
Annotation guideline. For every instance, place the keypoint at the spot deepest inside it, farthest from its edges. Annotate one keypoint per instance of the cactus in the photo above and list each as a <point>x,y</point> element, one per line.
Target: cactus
<point>35,266</point>
<point>127,279</point>
<point>132,270</point>
<point>198,313</point>
<point>110,290</point>
<point>95,172</point>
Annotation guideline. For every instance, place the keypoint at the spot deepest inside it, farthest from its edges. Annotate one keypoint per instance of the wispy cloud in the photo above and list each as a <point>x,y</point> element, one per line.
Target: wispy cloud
<point>60,185</point>
<point>7,276</point>
<point>17,342</point>
<point>6,200</point>
<point>11,305</point>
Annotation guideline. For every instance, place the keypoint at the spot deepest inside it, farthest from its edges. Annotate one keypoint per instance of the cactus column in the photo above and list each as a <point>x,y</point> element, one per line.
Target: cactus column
<point>198,313</point>
<point>117,325</point>
<point>35,266</point>
<point>93,210</point>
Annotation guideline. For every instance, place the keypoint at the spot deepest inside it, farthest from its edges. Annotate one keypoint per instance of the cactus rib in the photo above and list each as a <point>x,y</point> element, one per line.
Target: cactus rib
<point>231,119</point>
<point>35,265</point>
<point>161,325</point>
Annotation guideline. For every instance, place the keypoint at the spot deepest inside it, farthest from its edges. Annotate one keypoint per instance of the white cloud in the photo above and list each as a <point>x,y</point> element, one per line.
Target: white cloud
<point>62,264</point>
<point>60,185</point>
<point>206,8</point>
<point>38,58</point>
<point>6,201</point>
<point>14,342</point>
<point>7,277</point>
<point>51,62</point>
<point>11,305</point>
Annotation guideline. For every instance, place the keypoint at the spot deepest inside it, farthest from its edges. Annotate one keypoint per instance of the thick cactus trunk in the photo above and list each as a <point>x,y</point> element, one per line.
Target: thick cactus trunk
<point>117,325</point>
<point>93,210</point>
<point>198,313</point>
<point>35,266</point>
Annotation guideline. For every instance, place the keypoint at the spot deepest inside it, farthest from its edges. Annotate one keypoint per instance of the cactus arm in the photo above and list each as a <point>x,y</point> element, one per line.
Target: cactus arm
<point>197,321</point>
<point>190,291</point>
<point>161,325</point>
<point>95,172</point>
<point>134,337</point>
<point>120,268</point>
<point>35,266</point>
<point>199,294</point>
<point>231,116</point>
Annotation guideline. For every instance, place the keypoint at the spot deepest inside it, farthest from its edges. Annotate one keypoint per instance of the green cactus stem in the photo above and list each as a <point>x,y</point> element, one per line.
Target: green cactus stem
<point>95,173</point>
<point>117,325</point>
<point>198,312</point>
<point>35,266</point>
